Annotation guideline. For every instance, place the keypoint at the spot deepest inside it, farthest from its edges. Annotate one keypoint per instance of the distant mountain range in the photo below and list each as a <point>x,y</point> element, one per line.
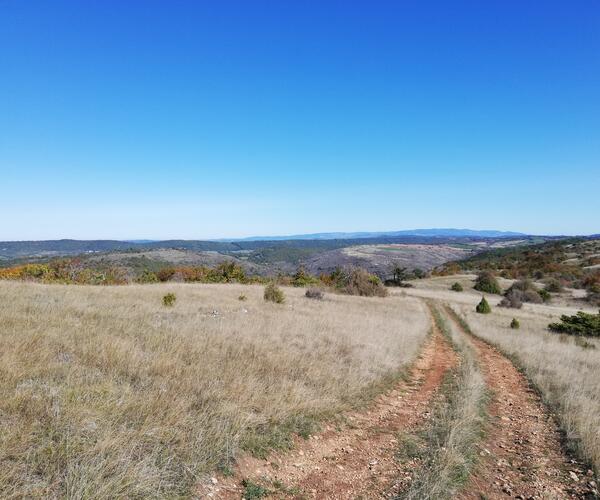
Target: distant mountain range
<point>430,233</point>
<point>266,248</point>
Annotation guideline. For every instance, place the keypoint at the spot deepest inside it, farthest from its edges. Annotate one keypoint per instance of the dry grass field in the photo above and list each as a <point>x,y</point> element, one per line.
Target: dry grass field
<point>564,369</point>
<point>106,393</point>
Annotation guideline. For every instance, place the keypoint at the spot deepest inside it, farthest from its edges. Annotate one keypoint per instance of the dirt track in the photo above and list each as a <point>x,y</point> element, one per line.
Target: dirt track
<point>522,456</point>
<point>358,459</point>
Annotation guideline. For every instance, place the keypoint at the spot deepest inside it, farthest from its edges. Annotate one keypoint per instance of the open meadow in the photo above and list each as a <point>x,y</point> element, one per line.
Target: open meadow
<point>107,393</point>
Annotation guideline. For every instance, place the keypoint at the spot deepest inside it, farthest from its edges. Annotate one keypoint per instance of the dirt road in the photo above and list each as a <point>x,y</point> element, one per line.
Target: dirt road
<point>522,456</point>
<point>356,460</point>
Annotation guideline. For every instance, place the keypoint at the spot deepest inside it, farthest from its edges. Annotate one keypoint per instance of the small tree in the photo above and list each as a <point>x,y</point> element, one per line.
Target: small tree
<point>273,293</point>
<point>419,273</point>
<point>399,277</point>
<point>302,278</point>
<point>169,300</point>
<point>582,323</point>
<point>487,282</point>
<point>483,307</point>
<point>514,324</point>
<point>456,287</point>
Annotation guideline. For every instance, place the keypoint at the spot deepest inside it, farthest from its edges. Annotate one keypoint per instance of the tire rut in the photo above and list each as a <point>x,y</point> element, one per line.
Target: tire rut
<point>522,456</point>
<point>358,460</point>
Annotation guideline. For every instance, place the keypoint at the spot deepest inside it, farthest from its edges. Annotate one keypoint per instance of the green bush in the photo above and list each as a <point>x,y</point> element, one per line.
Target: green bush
<point>582,323</point>
<point>545,295</point>
<point>253,490</point>
<point>147,277</point>
<point>273,293</point>
<point>228,272</point>
<point>456,287</point>
<point>514,324</point>
<point>487,282</point>
<point>419,273</point>
<point>169,300</point>
<point>302,278</point>
<point>242,297</point>
<point>483,307</point>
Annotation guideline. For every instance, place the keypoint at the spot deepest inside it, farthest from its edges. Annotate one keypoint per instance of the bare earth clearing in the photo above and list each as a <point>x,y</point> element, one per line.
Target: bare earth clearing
<point>379,259</point>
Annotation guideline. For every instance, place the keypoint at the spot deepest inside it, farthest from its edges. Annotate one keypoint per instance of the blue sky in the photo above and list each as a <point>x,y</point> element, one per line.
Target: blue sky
<point>191,119</point>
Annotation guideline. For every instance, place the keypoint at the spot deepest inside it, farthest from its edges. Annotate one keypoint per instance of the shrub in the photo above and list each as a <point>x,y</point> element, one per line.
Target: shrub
<point>359,282</point>
<point>554,286</point>
<point>483,307</point>
<point>419,273</point>
<point>582,323</point>
<point>545,295</point>
<point>456,287</point>
<point>523,291</point>
<point>302,278</point>
<point>592,284</point>
<point>532,296</point>
<point>487,282</point>
<point>253,490</point>
<point>165,274</point>
<point>273,293</point>
<point>514,324</point>
<point>169,300</point>
<point>228,272</point>
<point>147,277</point>
<point>242,297</point>
<point>314,293</point>
<point>513,298</point>
<point>593,297</point>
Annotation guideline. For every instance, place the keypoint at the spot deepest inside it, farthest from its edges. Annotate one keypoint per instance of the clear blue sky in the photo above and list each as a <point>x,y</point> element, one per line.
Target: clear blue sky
<point>192,119</point>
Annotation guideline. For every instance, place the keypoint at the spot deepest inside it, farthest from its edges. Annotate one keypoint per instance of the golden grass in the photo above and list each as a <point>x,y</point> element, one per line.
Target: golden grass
<point>106,393</point>
<point>561,367</point>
